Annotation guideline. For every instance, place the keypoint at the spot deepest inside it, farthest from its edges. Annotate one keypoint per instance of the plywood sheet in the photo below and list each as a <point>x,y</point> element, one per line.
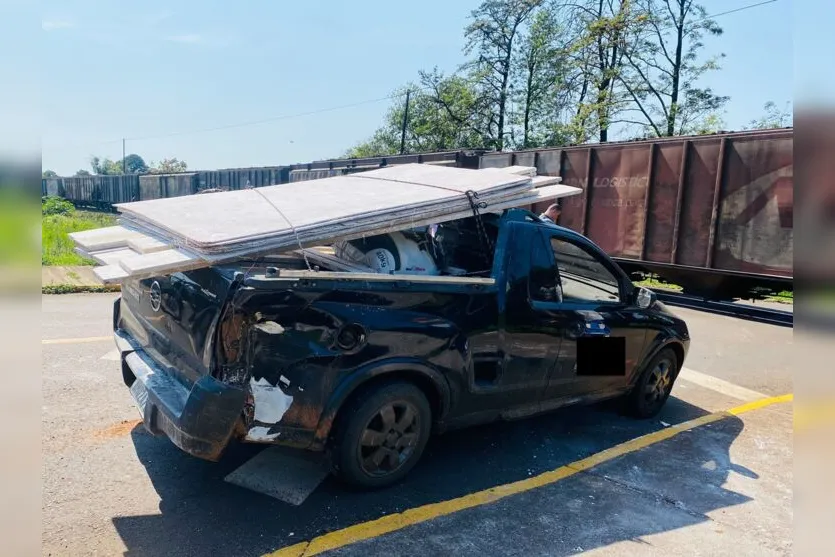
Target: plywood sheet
<point>146,244</point>
<point>227,217</point>
<point>104,238</point>
<point>109,274</point>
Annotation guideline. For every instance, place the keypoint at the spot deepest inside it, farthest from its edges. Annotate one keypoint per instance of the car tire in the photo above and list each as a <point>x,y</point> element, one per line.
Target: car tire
<point>654,385</point>
<point>381,435</point>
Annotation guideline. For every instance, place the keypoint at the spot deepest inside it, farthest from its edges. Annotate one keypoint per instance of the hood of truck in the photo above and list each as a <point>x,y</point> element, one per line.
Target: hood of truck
<point>173,318</point>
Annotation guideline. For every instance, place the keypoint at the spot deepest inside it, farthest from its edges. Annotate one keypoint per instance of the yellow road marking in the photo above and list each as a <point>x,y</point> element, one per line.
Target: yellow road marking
<point>392,523</point>
<point>75,340</point>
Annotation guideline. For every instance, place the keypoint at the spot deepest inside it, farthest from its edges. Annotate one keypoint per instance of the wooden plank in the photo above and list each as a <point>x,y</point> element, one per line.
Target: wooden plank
<point>108,237</point>
<point>173,260</point>
<point>542,181</point>
<point>110,274</point>
<point>529,171</point>
<point>237,216</point>
<point>160,262</point>
<point>147,244</point>
<point>110,256</point>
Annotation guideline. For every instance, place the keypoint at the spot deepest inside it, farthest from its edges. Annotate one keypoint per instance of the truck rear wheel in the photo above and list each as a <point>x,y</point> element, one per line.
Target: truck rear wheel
<point>653,387</point>
<point>381,435</point>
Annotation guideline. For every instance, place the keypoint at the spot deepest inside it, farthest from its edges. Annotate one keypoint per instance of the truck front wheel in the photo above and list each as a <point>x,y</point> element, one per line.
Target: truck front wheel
<point>381,435</point>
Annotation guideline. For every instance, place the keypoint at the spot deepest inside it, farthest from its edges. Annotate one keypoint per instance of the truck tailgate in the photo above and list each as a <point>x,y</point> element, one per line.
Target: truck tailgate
<point>173,318</point>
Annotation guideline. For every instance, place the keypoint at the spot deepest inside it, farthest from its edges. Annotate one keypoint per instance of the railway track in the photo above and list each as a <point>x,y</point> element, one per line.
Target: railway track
<point>742,311</point>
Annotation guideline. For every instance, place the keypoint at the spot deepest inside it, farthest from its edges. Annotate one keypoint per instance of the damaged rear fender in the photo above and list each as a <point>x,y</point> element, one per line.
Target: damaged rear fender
<point>429,379</point>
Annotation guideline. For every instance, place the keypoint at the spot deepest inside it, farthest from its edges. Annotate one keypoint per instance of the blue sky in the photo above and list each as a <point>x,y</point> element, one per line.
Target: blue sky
<point>153,68</point>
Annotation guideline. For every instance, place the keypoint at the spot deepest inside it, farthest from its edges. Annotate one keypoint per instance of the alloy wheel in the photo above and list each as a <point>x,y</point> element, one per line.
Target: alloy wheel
<point>659,382</point>
<point>389,438</point>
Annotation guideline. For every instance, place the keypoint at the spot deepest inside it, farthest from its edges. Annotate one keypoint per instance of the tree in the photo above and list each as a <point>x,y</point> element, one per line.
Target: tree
<point>168,166</point>
<point>774,117</point>
<point>539,79</point>
<point>491,35</point>
<point>605,27</point>
<point>49,174</point>
<point>664,68</point>
<point>441,116</point>
<point>135,164</point>
<point>557,72</point>
<point>82,172</point>
<point>105,167</point>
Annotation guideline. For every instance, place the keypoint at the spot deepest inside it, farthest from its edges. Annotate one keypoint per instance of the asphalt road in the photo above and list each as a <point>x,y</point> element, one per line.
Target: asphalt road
<point>722,488</point>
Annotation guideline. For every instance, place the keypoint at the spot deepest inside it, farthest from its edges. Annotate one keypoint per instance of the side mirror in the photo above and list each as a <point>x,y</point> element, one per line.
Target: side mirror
<point>644,298</point>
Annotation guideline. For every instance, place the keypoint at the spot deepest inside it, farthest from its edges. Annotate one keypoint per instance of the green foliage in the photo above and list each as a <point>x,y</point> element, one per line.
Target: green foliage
<point>56,246</point>
<point>77,289</point>
<point>133,162</point>
<point>48,174</point>
<point>440,117</point>
<point>105,167</point>
<point>662,68</point>
<point>774,117</point>
<point>492,37</point>
<point>82,172</point>
<point>56,206</point>
<point>549,73</point>
<point>168,166</point>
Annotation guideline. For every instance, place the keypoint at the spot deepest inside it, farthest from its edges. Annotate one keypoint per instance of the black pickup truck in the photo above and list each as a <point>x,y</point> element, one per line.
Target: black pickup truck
<point>366,366</point>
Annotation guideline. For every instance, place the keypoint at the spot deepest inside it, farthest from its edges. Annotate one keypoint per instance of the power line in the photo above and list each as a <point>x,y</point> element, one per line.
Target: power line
<point>749,6</point>
<point>263,120</point>
<point>352,105</point>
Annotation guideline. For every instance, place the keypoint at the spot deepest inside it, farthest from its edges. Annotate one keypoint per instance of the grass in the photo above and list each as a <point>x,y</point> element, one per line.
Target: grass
<point>654,282</point>
<point>783,297</point>
<point>56,246</point>
<point>76,289</point>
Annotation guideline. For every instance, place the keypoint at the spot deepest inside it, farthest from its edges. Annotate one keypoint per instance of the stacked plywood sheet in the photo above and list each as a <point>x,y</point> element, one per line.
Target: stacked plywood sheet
<point>168,235</point>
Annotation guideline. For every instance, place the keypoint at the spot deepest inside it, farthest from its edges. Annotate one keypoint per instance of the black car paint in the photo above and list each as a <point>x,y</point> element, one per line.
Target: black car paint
<point>436,335</point>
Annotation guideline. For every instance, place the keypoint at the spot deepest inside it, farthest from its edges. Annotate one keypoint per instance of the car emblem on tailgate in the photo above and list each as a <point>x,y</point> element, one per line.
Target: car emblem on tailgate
<point>155,296</point>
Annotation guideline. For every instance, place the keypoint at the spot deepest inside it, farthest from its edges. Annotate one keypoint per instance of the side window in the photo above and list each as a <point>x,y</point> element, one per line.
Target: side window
<point>543,274</point>
<point>583,276</point>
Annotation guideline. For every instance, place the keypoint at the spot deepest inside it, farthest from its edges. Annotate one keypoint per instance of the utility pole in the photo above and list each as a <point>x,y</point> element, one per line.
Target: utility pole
<point>405,121</point>
<point>124,168</point>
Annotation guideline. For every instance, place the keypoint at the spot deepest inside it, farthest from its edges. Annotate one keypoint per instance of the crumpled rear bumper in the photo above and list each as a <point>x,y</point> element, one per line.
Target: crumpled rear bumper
<point>199,419</point>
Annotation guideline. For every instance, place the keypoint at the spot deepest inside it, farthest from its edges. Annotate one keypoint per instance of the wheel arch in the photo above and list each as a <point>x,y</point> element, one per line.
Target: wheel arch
<point>673,343</point>
<point>429,380</point>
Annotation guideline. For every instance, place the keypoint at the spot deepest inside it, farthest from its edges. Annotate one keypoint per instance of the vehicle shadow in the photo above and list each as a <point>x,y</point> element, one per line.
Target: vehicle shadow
<point>201,514</point>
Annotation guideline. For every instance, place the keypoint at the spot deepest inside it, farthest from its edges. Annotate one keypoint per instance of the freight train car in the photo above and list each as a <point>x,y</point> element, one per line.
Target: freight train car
<point>458,158</point>
<point>711,213</point>
<point>241,178</point>
<point>96,192</point>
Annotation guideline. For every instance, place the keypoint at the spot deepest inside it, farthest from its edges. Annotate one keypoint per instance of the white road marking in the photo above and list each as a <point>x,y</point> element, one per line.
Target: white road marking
<point>112,356</point>
<point>288,475</point>
<point>76,340</point>
<point>719,385</point>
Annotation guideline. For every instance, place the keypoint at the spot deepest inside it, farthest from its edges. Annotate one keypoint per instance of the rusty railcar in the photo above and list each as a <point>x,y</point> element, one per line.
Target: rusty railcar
<point>711,213</point>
